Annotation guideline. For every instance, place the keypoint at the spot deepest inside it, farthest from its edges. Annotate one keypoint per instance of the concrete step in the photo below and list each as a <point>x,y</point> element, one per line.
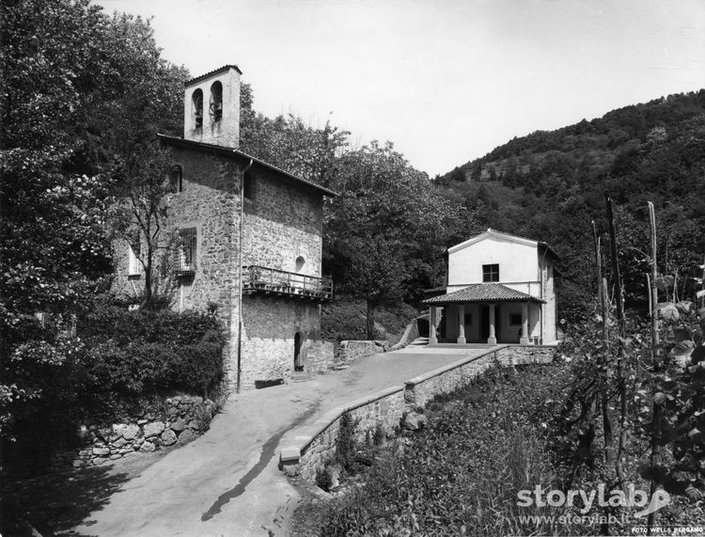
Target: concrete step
<point>420,341</point>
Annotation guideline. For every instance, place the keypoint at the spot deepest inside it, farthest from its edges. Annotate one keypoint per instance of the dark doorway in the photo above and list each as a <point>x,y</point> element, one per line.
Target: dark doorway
<point>485,323</point>
<point>422,326</point>
<point>298,359</point>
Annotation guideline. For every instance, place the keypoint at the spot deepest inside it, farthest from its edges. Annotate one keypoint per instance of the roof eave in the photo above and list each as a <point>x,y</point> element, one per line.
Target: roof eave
<point>211,73</point>
<point>232,152</point>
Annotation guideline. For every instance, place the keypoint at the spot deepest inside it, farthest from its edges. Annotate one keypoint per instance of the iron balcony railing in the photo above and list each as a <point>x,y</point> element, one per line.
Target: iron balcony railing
<point>257,279</point>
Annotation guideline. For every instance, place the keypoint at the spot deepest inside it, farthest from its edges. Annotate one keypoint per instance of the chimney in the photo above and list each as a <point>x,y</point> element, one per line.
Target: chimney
<point>212,107</point>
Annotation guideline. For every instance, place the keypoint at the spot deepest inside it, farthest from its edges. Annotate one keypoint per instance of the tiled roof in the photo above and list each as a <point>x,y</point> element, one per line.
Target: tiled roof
<point>482,292</point>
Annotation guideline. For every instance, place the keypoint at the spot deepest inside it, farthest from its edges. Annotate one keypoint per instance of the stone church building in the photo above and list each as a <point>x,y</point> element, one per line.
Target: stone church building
<point>246,241</point>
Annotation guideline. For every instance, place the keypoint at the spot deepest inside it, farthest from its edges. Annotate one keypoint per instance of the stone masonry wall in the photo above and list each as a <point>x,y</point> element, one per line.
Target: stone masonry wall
<point>284,221</point>
<point>352,350</point>
<point>207,203</point>
<point>420,390</point>
<point>269,331</point>
<point>319,356</point>
<point>383,410</point>
<point>316,445</point>
<point>186,417</point>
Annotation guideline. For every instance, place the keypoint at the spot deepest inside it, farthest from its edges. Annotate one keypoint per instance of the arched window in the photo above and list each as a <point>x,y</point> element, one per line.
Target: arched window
<point>300,262</point>
<point>176,176</point>
<point>197,99</point>
<point>216,101</point>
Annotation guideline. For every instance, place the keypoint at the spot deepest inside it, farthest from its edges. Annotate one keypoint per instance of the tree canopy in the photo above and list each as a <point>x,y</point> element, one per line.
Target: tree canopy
<point>81,90</point>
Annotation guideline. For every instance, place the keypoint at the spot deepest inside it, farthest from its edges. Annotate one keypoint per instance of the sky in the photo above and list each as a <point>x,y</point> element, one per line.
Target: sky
<point>446,80</point>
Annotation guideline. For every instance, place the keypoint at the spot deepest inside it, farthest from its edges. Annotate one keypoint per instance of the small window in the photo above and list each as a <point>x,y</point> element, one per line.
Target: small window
<point>515,319</point>
<point>300,262</point>
<point>197,99</point>
<point>186,253</point>
<point>134,264</point>
<point>468,318</point>
<point>216,101</point>
<point>248,188</point>
<point>176,176</point>
<point>490,273</point>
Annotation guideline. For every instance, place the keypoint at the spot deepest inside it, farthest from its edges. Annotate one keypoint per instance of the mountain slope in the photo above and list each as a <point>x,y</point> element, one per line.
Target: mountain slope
<point>550,185</point>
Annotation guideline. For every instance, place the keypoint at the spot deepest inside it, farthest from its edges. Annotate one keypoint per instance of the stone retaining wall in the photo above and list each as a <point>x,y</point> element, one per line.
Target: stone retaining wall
<point>352,350</point>
<point>186,417</point>
<point>315,446</point>
<point>382,410</point>
<point>319,356</point>
<point>410,334</point>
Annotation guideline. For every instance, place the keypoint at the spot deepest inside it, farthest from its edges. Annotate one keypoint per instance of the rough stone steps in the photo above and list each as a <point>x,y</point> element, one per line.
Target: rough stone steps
<point>420,341</point>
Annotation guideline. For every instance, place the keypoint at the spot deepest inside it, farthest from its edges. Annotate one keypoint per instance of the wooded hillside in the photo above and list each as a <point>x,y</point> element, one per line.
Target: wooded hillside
<point>550,185</point>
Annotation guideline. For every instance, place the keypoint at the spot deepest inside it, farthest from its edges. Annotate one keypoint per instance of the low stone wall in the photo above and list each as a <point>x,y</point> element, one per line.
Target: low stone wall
<point>382,410</point>
<point>352,350</point>
<point>315,446</point>
<point>409,335</point>
<point>186,417</point>
<point>422,389</point>
<point>525,354</point>
<point>319,356</point>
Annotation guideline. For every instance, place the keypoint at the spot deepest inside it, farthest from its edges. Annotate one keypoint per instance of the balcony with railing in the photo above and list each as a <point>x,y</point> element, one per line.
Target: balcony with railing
<point>269,281</point>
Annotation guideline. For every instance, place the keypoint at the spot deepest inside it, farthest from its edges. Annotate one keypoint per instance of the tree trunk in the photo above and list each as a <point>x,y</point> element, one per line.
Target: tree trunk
<point>370,324</point>
<point>147,299</point>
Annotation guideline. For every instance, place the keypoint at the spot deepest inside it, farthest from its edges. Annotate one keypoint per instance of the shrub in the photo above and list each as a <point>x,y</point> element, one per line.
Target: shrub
<point>137,353</point>
<point>461,475</point>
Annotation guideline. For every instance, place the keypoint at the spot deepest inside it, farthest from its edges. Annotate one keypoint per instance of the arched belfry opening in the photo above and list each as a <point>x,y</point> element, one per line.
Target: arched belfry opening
<point>197,103</point>
<point>216,101</point>
<point>298,352</point>
<point>212,107</point>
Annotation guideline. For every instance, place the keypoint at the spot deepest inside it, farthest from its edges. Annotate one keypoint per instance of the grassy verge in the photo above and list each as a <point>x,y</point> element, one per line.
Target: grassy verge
<point>461,475</point>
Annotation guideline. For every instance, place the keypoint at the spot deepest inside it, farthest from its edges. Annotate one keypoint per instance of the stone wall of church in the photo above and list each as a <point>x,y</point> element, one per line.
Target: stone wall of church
<point>283,221</point>
<point>282,225</point>
<point>268,339</point>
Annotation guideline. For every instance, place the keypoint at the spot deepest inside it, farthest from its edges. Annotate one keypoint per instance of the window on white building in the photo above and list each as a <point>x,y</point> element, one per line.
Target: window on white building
<point>490,273</point>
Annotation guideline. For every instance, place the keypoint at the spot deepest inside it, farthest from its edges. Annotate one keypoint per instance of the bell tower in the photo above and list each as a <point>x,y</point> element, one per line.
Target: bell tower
<point>212,107</point>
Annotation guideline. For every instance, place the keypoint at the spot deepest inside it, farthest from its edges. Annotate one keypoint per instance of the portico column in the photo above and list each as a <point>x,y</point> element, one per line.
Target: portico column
<point>524,340</point>
<point>432,339</point>
<point>492,340</point>
<point>461,323</point>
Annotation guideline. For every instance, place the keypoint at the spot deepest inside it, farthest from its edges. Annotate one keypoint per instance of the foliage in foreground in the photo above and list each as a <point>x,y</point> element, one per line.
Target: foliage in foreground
<point>123,364</point>
<point>81,90</point>
<point>461,476</point>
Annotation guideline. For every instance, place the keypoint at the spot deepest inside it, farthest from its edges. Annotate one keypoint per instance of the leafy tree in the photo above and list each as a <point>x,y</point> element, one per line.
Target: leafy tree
<point>75,84</point>
<point>289,143</point>
<point>386,232</point>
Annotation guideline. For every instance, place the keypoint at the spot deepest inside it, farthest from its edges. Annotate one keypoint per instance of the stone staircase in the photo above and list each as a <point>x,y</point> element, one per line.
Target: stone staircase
<point>420,341</point>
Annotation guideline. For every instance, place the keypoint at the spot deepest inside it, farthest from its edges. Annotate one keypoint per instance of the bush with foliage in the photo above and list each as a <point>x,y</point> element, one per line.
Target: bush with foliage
<point>118,364</point>
<point>462,474</point>
<point>141,353</point>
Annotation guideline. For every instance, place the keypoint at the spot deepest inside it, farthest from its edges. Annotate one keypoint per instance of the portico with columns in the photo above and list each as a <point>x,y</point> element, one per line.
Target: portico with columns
<point>500,290</point>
